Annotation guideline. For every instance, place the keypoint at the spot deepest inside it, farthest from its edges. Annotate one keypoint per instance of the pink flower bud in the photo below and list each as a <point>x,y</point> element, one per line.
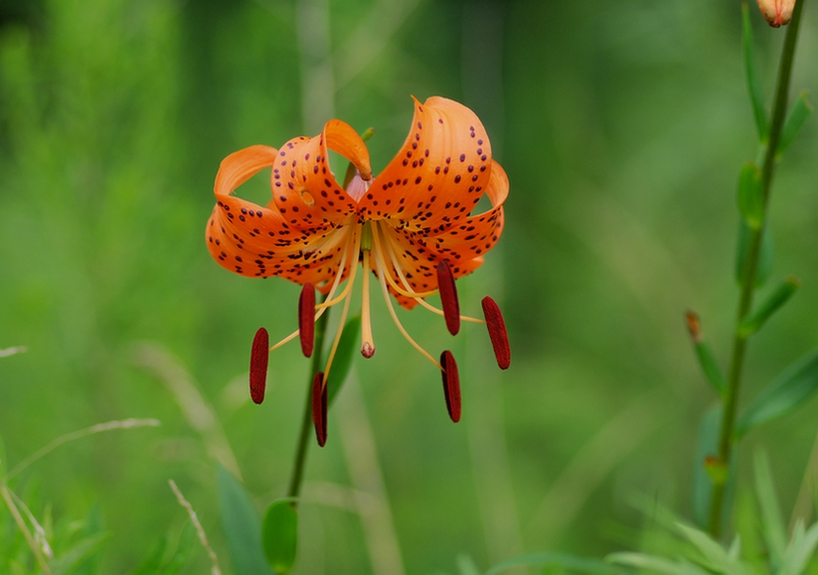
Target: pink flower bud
<point>777,12</point>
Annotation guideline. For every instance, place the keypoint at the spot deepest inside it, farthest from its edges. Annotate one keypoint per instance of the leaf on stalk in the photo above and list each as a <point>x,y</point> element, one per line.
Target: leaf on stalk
<point>789,390</point>
<point>242,527</point>
<point>342,362</point>
<point>753,85</point>
<point>772,304</point>
<point>795,121</point>
<point>750,196</point>
<point>279,535</point>
<point>765,256</point>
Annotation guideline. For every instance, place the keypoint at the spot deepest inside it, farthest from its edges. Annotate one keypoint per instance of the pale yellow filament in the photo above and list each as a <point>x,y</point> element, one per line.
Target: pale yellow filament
<point>386,296</point>
<point>366,322</point>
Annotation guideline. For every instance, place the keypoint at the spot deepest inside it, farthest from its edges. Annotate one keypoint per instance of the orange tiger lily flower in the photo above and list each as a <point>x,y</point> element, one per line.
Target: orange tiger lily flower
<point>411,226</point>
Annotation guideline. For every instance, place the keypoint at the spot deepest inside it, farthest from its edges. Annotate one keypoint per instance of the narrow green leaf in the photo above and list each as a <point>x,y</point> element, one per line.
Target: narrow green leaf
<point>784,394</point>
<point>78,554</point>
<point>242,527</point>
<point>704,353</point>
<point>753,85</point>
<point>715,556</point>
<point>711,370</point>
<point>750,198</point>
<point>568,562</point>
<point>706,444</point>
<point>771,522</point>
<point>654,563</point>
<point>772,304</point>
<point>279,535</point>
<point>343,357</point>
<point>765,262</point>
<point>800,550</point>
<point>795,121</point>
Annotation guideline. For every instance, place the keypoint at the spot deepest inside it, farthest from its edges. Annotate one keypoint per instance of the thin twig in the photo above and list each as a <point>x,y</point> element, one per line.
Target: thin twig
<point>98,428</point>
<point>199,529</point>
<point>748,279</point>
<point>15,513</point>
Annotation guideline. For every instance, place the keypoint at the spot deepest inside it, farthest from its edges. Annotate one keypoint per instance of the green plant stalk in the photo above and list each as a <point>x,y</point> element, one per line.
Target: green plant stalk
<point>297,477</point>
<point>730,404</point>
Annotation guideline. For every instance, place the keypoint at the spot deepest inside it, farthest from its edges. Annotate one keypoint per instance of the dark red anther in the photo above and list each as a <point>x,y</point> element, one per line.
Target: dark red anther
<point>306,318</point>
<point>319,408</point>
<point>451,385</point>
<point>497,332</point>
<point>259,355</point>
<point>448,296</point>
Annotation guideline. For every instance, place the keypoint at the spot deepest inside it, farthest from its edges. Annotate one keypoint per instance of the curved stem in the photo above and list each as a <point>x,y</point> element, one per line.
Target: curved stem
<point>748,280</point>
<point>297,476</point>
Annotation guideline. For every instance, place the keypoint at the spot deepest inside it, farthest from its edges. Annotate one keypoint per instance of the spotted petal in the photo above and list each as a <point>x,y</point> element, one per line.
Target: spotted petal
<point>438,176</point>
<point>463,244</point>
<point>259,241</point>
<point>304,190</point>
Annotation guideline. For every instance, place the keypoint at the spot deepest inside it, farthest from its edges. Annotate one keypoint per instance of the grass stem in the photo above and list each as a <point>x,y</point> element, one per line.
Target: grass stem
<point>748,280</point>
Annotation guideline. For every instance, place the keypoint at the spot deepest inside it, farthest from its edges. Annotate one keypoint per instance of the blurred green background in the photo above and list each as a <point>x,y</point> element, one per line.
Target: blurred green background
<point>622,126</point>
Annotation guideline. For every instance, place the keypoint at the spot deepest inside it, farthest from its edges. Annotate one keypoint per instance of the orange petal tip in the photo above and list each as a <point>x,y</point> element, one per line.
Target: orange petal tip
<point>259,355</point>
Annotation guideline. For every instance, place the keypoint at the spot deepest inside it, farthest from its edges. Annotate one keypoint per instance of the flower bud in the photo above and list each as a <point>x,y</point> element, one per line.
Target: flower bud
<point>777,12</point>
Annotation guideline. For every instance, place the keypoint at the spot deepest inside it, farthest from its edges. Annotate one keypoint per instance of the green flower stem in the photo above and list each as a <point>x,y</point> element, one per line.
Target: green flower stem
<point>748,280</point>
<point>297,477</point>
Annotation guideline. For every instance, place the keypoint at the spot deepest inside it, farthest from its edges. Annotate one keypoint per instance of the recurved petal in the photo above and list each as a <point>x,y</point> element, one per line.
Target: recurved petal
<point>440,173</point>
<point>463,245</point>
<point>255,241</point>
<point>477,234</point>
<point>304,189</point>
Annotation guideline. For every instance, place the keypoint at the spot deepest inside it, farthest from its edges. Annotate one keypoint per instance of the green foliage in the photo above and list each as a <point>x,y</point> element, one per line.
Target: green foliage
<point>169,558</point>
<point>753,84</point>
<point>781,295</point>
<point>795,121</point>
<point>784,394</point>
<point>750,196</point>
<point>279,535</point>
<point>241,525</point>
<point>765,262</point>
<point>342,363</point>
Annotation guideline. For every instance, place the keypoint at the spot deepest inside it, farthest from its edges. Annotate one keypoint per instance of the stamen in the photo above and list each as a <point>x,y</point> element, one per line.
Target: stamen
<point>367,342</point>
<point>319,408</point>
<point>448,296</point>
<point>382,246</point>
<point>321,307</point>
<point>341,322</point>
<point>451,385</point>
<point>398,324</point>
<point>258,365</point>
<point>497,332</point>
<point>306,318</point>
